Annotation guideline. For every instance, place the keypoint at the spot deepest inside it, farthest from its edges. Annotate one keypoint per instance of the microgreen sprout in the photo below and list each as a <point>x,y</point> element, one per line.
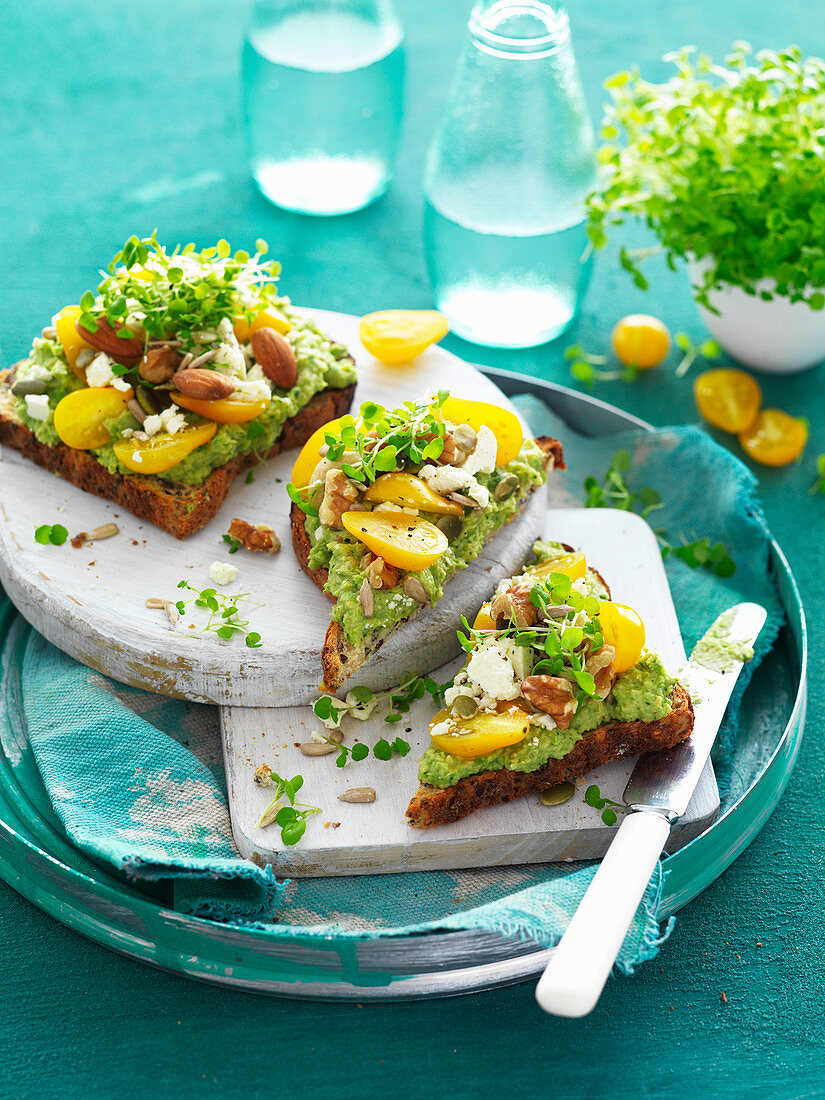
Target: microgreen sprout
<point>54,534</point>
<point>381,750</point>
<point>594,797</point>
<point>224,616</point>
<point>708,349</point>
<point>291,818</point>
<point>585,367</point>
<point>233,544</point>
<point>819,485</point>
<point>702,553</point>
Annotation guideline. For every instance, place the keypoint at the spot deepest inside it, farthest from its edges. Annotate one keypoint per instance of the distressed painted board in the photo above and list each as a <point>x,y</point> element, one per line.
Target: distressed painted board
<point>91,602</point>
<point>350,838</point>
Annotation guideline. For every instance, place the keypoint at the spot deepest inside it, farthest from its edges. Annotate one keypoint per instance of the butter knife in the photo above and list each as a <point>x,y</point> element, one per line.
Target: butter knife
<point>658,792</point>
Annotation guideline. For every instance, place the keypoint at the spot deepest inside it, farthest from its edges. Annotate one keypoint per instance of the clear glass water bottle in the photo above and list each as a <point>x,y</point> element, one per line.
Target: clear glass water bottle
<point>323,94</point>
<point>507,174</point>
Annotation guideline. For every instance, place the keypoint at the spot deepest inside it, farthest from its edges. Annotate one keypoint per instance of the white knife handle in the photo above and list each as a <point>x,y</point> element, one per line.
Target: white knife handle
<point>575,976</point>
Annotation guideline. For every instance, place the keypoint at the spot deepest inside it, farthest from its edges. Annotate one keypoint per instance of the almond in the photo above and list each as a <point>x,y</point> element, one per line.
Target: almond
<point>159,364</point>
<point>119,348</point>
<point>275,355</point>
<point>208,385</point>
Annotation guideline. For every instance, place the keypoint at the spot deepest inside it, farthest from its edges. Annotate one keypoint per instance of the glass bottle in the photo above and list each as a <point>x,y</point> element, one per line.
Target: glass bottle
<point>507,174</point>
<point>322,96</point>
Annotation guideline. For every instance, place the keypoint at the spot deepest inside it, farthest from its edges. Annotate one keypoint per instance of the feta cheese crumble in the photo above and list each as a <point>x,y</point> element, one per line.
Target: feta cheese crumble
<point>99,373</point>
<point>483,458</point>
<point>491,669</point>
<point>171,420</point>
<point>448,479</point>
<point>221,572</point>
<point>37,406</point>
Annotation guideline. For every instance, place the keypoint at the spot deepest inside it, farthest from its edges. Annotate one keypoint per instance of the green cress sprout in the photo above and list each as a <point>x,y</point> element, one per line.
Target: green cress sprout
<point>47,533</point>
<point>594,797</point>
<point>724,164</point>
<point>233,544</point>
<point>291,819</point>
<point>819,485</point>
<point>615,493</point>
<point>224,617</point>
<point>585,366</point>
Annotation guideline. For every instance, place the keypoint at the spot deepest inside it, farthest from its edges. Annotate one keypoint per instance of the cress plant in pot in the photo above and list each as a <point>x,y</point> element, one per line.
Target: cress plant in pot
<point>724,163</point>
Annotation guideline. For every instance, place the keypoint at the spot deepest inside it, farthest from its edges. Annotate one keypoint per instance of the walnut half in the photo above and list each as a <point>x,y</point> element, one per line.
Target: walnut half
<point>552,694</point>
<point>339,496</point>
<point>515,604</point>
<point>254,536</point>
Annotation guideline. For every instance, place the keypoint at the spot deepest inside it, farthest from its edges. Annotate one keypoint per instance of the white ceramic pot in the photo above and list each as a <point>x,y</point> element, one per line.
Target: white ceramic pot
<point>778,337</point>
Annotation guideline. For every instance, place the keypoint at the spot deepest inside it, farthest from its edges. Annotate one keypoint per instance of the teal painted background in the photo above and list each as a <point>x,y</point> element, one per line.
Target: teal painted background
<point>119,118</point>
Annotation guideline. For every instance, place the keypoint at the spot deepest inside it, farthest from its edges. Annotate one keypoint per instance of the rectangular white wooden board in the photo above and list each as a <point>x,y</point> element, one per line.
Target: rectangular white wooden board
<point>347,838</point>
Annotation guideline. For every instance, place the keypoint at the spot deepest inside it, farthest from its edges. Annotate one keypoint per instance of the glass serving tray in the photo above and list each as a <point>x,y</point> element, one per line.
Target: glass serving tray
<point>37,861</point>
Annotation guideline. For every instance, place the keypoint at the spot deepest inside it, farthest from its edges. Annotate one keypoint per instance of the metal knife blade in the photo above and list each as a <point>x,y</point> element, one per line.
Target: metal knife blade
<point>665,781</point>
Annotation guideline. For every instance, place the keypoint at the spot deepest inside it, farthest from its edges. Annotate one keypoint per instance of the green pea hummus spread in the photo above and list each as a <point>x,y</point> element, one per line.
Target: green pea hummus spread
<point>717,650</point>
<point>321,364</point>
<point>640,694</point>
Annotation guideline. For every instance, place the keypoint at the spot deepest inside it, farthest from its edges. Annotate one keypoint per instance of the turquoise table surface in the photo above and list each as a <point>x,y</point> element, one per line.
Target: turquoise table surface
<point>120,118</point>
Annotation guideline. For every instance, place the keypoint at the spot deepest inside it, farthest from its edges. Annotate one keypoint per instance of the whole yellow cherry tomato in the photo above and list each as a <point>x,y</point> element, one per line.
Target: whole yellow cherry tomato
<point>775,438</point>
<point>80,417</point>
<point>572,565</point>
<point>483,733</point>
<point>624,630</point>
<point>397,336</point>
<point>729,399</point>
<point>162,451</point>
<point>265,318</point>
<point>408,542</point>
<point>310,454</point>
<point>640,340</point>
<point>504,424</point>
<point>409,491</point>
<point>70,339</point>
<point>224,410</point>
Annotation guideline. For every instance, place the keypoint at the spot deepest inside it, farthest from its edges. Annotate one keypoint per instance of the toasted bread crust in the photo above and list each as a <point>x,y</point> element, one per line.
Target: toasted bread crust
<point>179,509</point>
<point>442,805</point>
<point>338,656</point>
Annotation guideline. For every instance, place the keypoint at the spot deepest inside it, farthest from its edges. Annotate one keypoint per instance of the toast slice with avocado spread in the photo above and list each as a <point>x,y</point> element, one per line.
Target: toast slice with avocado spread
<point>182,370</point>
<point>385,510</point>
<point>557,682</point>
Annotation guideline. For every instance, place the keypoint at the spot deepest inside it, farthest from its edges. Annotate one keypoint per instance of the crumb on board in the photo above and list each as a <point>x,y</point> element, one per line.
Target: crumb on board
<point>723,998</point>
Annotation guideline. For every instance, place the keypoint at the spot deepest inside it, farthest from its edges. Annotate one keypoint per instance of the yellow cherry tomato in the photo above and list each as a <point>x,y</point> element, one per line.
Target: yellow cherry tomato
<point>483,733</point>
<point>504,424</point>
<point>70,339</point>
<point>408,542</point>
<point>483,620</point>
<point>775,438</point>
<point>397,336</point>
<point>729,399</point>
<point>624,630</point>
<point>572,565</point>
<point>265,318</point>
<point>224,410</point>
<point>409,491</point>
<point>310,454</point>
<point>640,340</point>
<point>162,451</point>
<point>80,417</point>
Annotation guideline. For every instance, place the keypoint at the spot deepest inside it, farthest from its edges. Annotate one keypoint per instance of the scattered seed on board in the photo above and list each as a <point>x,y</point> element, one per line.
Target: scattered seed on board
<point>554,796</point>
<point>317,748</point>
<point>358,794</point>
<point>155,604</point>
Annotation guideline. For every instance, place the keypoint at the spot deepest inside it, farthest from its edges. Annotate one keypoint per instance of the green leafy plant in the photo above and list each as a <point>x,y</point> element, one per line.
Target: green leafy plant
<point>708,349</point>
<point>381,750</point>
<point>233,544</point>
<point>54,534</point>
<point>819,485</point>
<point>224,616</point>
<point>594,797</point>
<point>724,164</point>
<point>292,818</point>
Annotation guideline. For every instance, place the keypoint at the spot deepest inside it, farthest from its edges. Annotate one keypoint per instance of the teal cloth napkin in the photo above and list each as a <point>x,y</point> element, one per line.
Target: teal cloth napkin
<point>137,780</point>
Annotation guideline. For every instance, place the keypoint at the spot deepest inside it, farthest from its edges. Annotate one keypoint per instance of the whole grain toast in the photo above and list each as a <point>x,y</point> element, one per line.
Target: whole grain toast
<point>340,658</point>
<point>179,509</point>
<point>442,805</point>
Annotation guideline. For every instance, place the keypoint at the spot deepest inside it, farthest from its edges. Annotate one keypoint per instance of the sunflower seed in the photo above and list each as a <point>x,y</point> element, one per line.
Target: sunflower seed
<point>104,532</point>
<point>318,748</point>
<point>136,410</point>
<point>201,359</point>
<point>367,599</point>
<point>414,588</point>
<point>358,794</point>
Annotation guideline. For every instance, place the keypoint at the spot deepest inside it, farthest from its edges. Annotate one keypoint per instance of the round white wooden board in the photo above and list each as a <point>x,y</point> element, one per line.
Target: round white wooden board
<point>91,602</point>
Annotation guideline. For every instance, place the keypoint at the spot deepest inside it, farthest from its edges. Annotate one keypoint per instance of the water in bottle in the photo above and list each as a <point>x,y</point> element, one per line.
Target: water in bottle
<point>323,90</point>
<point>507,175</point>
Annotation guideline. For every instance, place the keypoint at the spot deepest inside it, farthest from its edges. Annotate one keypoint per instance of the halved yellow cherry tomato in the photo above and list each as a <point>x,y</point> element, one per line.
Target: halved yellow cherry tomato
<point>397,336</point>
<point>729,399</point>
<point>504,424</point>
<point>224,410</point>
<point>624,630</point>
<point>483,620</point>
<point>775,438</point>
<point>80,417</point>
<point>640,340</point>
<point>483,733</point>
<point>408,542</point>
<point>310,454</point>
<point>572,565</point>
<point>265,318</point>
<point>162,451</point>
<point>410,491</point>
<point>70,339</point>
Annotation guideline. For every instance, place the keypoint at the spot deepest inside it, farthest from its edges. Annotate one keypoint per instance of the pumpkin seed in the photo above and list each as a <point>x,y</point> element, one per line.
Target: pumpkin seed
<point>336,735</point>
<point>450,526</point>
<point>465,706</point>
<point>506,487</point>
<point>147,401</point>
<point>554,796</point>
<point>465,438</point>
<point>24,386</point>
<point>366,599</point>
<point>84,357</point>
<point>358,794</point>
<point>414,588</point>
